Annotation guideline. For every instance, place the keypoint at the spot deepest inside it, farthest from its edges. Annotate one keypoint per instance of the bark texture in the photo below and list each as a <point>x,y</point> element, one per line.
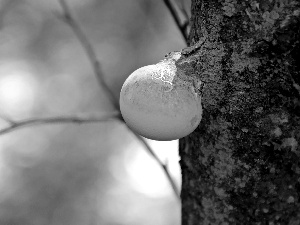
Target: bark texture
<point>242,164</point>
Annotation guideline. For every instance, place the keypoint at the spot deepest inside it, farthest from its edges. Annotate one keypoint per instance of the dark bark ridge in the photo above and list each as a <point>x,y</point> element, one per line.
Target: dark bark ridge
<point>242,164</point>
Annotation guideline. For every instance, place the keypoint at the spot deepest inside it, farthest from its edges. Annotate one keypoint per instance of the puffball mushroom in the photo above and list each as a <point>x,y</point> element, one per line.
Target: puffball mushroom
<point>157,102</point>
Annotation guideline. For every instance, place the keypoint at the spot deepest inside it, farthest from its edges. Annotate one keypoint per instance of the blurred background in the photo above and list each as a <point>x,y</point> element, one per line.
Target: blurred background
<point>84,174</point>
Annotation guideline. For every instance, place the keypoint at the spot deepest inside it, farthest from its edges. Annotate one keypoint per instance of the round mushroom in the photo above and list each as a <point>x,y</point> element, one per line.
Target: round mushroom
<point>158,104</point>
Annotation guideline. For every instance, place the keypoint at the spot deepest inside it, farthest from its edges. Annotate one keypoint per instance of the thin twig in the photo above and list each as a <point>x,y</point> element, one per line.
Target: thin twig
<point>181,27</point>
<point>68,18</point>
<point>86,44</point>
<point>162,165</point>
<point>183,10</point>
<point>6,119</point>
<point>59,119</point>
<point>186,22</point>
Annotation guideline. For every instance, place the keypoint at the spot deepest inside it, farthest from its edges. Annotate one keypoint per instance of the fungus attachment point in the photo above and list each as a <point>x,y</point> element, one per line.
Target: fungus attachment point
<point>158,104</point>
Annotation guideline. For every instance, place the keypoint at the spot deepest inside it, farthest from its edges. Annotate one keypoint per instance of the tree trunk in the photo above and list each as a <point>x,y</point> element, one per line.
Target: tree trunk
<point>241,165</point>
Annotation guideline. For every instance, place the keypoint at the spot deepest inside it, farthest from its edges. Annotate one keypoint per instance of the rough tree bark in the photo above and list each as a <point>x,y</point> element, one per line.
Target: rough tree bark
<point>241,165</point>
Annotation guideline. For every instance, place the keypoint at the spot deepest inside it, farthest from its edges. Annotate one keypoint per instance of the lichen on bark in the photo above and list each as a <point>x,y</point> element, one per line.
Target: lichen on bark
<point>242,164</point>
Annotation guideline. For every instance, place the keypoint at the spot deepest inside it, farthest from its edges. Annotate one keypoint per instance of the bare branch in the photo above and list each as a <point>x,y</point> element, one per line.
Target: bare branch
<point>183,10</point>
<point>59,119</point>
<point>6,119</point>
<point>181,27</point>
<point>162,165</point>
<point>14,125</point>
<point>69,19</point>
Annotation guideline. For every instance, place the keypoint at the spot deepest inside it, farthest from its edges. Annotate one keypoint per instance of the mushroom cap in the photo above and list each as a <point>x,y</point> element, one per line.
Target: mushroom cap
<point>159,105</point>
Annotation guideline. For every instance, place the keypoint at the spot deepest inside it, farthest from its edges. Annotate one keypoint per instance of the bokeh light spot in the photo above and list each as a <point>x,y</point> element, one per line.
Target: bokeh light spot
<point>17,89</point>
<point>145,175</point>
